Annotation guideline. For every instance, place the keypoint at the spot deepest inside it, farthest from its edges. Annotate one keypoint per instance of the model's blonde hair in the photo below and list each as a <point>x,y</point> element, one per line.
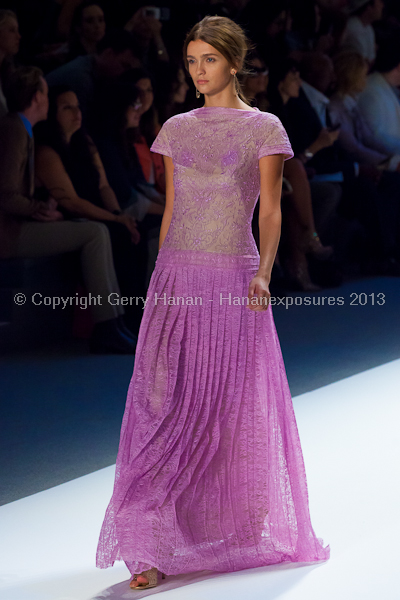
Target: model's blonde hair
<point>348,66</point>
<point>229,39</point>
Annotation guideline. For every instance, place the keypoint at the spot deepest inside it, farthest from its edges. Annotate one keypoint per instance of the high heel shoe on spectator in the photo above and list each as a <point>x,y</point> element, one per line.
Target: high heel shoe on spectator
<point>300,278</point>
<point>107,338</point>
<point>152,579</point>
<point>313,245</point>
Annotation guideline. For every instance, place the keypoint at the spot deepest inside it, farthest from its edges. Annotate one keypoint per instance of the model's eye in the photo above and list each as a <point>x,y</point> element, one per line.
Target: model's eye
<point>209,58</point>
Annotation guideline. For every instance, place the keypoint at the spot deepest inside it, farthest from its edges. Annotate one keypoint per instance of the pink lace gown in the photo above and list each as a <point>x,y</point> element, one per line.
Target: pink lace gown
<point>210,472</point>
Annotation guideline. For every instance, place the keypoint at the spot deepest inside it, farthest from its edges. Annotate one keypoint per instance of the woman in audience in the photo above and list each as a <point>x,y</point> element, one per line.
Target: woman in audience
<point>355,136</point>
<point>361,144</point>
<point>9,46</point>
<point>299,235</point>
<point>68,165</point>
<point>87,29</point>
<point>117,139</point>
<point>172,92</point>
<point>255,84</point>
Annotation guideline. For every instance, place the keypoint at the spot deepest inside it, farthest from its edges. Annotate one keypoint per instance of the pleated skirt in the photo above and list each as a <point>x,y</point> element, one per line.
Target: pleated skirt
<point>209,473</point>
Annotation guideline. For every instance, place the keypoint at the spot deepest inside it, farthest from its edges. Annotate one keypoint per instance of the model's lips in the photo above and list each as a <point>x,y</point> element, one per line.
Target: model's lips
<point>200,81</point>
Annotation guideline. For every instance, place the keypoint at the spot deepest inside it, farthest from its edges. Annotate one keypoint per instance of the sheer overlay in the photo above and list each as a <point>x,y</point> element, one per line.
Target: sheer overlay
<point>210,472</point>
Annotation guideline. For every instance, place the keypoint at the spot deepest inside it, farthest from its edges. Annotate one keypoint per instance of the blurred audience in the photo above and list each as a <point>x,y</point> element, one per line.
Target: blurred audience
<point>379,101</point>
<point>329,69</point>
<point>35,228</point>
<point>87,75</point>
<point>132,175</point>
<point>69,167</point>
<point>359,34</point>
<point>9,46</point>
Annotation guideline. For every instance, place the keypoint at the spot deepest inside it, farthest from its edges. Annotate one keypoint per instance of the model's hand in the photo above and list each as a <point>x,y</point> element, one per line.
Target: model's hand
<point>259,294</point>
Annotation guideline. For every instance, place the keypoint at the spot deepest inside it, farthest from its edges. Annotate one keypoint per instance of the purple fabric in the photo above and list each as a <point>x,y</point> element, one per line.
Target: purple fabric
<point>210,472</point>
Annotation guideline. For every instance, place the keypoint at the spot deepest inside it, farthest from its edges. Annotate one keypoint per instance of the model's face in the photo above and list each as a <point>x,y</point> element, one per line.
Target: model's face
<point>9,37</point>
<point>92,26</point>
<point>259,81</point>
<point>146,93</point>
<point>209,70</point>
<point>69,115</point>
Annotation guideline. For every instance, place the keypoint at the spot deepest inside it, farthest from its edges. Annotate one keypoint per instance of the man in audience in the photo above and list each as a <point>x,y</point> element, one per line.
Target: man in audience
<point>379,102</point>
<point>314,140</point>
<point>359,34</point>
<point>30,228</point>
<point>86,74</point>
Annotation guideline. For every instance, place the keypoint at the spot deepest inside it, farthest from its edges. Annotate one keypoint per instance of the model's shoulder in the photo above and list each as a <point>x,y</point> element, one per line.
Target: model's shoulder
<point>269,119</point>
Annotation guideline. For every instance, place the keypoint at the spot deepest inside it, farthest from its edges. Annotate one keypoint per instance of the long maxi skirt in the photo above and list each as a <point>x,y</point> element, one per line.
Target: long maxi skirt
<point>210,472</point>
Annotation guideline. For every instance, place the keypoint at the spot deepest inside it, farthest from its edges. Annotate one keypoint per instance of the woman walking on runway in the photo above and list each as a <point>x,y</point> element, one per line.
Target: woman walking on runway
<point>210,472</point>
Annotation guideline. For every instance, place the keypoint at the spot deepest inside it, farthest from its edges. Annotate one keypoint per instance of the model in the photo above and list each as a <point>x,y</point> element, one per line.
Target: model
<point>210,472</point>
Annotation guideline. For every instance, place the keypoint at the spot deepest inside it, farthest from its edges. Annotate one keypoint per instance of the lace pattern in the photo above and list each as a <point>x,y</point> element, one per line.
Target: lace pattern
<point>209,473</point>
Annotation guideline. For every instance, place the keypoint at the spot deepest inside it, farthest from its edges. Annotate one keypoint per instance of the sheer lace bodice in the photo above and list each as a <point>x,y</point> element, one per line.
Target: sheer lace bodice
<point>215,151</point>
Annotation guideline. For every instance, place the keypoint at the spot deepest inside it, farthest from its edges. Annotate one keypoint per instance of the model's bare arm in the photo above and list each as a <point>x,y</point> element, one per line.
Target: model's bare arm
<point>169,199</point>
<point>269,222</point>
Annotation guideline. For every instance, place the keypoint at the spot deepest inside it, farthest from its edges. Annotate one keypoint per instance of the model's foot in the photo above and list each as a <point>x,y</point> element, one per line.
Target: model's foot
<point>139,580</point>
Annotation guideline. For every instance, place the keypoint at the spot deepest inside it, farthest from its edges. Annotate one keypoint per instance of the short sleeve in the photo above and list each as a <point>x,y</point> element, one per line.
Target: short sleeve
<point>276,140</point>
<point>161,144</point>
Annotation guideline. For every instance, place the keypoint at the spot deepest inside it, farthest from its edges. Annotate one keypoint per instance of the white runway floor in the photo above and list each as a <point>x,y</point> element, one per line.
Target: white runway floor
<point>350,437</point>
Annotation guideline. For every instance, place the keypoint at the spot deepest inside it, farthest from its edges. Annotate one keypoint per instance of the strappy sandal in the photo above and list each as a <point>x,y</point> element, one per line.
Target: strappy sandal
<point>152,577</point>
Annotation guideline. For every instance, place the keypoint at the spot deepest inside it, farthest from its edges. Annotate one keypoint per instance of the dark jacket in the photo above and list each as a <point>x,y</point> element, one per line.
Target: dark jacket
<point>16,181</point>
<point>303,127</point>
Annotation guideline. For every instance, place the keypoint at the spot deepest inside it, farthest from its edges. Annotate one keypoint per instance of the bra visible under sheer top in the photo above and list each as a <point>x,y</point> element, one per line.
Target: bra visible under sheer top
<point>215,151</point>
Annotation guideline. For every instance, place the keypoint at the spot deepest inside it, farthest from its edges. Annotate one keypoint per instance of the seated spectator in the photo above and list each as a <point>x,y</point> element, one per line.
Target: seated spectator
<point>87,74</point>
<point>307,32</point>
<point>135,189</point>
<point>31,228</point>
<point>359,34</point>
<point>144,134</point>
<point>9,46</point>
<point>268,24</point>
<point>360,144</point>
<point>310,119</point>
<point>146,30</point>
<point>88,28</point>
<point>300,232</point>
<point>255,83</point>
<point>68,165</point>
<point>356,137</point>
<point>172,92</point>
<point>379,101</point>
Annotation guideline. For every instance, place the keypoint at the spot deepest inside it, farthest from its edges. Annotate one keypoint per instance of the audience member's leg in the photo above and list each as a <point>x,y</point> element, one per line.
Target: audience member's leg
<point>48,239</point>
<point>93,241</point>
<point>325,197</point>
<point>130,262</point>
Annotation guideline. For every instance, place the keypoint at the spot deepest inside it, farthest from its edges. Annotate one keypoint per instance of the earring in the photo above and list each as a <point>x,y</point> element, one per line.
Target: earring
<point>197,93</point>
<point>234,75</point>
